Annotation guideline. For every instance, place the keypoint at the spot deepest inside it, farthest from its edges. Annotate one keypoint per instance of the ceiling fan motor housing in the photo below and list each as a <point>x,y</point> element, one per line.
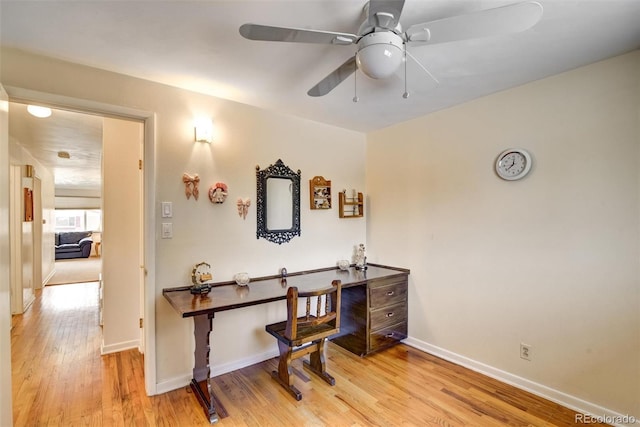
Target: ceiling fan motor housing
<point>380,54</point>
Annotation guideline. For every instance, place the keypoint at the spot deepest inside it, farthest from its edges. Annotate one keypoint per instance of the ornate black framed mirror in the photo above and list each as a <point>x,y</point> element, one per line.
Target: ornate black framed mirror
<point>278,203</point>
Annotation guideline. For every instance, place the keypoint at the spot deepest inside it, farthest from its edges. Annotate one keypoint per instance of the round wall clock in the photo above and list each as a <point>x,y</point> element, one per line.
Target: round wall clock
<point>512,164</point>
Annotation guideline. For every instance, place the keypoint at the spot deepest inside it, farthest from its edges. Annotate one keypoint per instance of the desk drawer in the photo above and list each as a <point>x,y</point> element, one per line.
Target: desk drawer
<point>387,316</point>
<point>395,293</point>
<point>388,336</point>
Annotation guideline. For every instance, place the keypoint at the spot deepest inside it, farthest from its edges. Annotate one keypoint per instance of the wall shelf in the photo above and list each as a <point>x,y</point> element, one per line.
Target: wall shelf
<point>351,207</point>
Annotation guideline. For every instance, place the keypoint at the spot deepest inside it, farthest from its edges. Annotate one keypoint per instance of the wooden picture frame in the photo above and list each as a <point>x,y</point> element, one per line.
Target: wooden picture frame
<point>28,204</point>
<point>319,193</point>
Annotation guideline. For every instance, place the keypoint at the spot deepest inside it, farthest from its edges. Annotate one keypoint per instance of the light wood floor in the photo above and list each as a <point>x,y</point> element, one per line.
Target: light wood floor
<point>60,379</point>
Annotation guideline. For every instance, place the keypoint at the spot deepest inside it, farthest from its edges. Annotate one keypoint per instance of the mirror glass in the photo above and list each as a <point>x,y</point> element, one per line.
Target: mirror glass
<point>278,203</point>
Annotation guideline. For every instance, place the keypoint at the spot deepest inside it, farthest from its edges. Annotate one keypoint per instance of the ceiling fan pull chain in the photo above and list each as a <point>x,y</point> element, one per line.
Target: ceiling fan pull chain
<point>405,95</point>
<point>355,83</point>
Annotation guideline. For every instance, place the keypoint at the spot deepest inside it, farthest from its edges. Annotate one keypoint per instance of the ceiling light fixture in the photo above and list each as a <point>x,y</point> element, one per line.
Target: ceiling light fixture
<point>64,154</point>
<point>380,54</point>
<point>38,111</point>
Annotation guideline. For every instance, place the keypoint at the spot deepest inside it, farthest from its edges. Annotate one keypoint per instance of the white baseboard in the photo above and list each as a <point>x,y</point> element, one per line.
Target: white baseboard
<point>242,363</point>
<point>121,346</point>
<point>184,380</point>
<point>173,383</point>
<point>564,399</point>
<point>46,279</point>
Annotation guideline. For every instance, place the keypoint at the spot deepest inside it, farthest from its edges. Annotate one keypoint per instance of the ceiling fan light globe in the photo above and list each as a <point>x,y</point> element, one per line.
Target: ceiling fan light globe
<point>380,54</point>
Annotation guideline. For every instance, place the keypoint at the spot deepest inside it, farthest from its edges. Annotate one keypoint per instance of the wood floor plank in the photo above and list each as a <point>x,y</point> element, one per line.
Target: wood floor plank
<point>60,379</point>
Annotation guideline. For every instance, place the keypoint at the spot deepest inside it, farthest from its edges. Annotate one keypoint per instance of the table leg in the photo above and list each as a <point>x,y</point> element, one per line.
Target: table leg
<point>201,382</point>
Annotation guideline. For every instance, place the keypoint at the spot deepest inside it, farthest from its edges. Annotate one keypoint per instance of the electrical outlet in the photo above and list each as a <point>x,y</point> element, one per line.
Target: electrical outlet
<point>525,351</point>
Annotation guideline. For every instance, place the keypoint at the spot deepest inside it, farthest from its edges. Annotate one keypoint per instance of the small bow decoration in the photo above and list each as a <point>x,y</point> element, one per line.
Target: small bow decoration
<point>243,207</point>
<point>191,185</point>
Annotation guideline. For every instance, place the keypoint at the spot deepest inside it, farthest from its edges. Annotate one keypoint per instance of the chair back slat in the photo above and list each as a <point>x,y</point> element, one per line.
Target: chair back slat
<point>329,299</point>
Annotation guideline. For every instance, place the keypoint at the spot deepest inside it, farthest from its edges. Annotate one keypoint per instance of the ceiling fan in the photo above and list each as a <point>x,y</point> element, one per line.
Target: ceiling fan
<point>382,45</point>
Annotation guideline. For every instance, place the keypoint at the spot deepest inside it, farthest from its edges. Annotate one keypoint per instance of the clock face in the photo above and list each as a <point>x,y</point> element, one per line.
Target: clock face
<point>513,164</point>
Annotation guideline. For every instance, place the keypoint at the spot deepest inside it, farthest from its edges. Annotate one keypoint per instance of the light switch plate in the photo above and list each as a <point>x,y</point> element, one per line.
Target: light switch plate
<point>167,209</point>
<point>167,230</point>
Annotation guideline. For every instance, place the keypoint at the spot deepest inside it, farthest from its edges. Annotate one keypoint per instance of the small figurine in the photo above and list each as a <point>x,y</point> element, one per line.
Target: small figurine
<point>201,277</point>
<point>360,257</point>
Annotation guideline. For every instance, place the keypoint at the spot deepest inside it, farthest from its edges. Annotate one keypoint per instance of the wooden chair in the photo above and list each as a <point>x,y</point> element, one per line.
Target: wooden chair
<point>298,336</point>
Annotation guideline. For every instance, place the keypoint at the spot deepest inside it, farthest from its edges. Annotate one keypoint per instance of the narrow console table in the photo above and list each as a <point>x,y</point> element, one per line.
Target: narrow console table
<point>373,314</point>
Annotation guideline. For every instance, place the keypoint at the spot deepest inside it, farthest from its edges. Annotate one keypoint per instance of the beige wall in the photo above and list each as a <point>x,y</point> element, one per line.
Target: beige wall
<point>551,261</point>
<point>245,137</point>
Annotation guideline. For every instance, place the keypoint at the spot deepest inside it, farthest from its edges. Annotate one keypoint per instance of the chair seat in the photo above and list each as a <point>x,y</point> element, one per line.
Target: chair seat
<point>307,333</point>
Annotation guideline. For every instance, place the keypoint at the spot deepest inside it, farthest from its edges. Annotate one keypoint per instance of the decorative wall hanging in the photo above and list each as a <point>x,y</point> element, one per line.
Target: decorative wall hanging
<point>320,193</point>
<point>191,185</point>
<point>218,192</point>
<point>243,207</point>
<point>201,277</point>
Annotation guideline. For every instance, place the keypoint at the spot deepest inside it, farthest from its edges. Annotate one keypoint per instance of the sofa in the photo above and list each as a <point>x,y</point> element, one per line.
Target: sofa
<point>73,244</point>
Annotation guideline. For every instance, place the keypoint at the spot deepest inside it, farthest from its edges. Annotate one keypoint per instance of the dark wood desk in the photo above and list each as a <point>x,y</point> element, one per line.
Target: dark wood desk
<point>374,313</point>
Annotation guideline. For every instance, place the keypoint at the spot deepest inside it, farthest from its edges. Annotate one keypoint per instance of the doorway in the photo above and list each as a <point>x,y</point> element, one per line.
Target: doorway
<point>144,123</point>
<point>149,228</point>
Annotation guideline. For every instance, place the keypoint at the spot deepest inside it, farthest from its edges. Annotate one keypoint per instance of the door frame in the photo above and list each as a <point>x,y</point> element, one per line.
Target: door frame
<point>15,238</point>
<point>6,411</point>
<point>148,118</point>
<point>37,232</point>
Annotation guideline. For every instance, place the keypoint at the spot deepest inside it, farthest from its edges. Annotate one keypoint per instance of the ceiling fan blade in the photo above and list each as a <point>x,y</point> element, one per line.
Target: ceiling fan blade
<point>490,22</point>
<point>385,13</point>
<point>297,35</point>
<point>336,77</point>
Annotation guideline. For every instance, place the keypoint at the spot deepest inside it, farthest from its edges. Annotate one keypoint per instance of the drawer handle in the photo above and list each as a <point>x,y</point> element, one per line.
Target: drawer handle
<point>390,293</point>
<point>390,314</point>
<point>389,335</point>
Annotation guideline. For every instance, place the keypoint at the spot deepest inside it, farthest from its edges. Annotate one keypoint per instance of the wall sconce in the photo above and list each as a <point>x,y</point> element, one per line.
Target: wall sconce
<point>203,130</point>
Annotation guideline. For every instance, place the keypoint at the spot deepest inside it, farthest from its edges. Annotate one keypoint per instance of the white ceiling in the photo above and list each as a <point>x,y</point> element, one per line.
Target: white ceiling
<point>196,45</point>
<point>78,134</point>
